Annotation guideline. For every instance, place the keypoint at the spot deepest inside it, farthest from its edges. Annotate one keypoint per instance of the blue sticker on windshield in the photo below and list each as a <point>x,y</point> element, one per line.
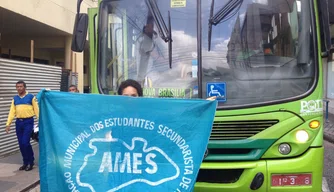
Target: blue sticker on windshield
<point>217,89</point>
<point>194,68</point>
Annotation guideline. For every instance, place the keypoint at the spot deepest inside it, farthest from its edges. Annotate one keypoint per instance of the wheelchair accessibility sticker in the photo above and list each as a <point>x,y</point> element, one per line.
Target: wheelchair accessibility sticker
<point>217,89</point>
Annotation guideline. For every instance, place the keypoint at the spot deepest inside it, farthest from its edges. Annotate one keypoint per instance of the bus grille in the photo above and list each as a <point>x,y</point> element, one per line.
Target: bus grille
<point>236,130</point>
<point>219,175</point>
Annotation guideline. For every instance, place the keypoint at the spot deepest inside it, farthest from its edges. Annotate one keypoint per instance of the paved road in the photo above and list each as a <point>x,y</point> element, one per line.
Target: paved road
<point>329,164</point>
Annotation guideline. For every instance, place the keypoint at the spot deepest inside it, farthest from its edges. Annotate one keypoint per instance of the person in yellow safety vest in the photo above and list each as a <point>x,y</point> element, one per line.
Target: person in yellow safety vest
<point>24,107</point>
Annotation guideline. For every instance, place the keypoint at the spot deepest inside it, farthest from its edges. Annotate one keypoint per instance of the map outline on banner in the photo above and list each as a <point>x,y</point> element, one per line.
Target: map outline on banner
<point>109,138</point>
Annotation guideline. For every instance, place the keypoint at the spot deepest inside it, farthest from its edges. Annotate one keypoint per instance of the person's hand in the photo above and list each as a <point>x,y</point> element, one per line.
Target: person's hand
<point>36,127</point>
<point>7,129</point>
<point>212,98</point>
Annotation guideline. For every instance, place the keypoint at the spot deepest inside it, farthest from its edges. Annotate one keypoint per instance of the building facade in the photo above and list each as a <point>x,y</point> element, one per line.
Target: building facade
<point>42,30</point>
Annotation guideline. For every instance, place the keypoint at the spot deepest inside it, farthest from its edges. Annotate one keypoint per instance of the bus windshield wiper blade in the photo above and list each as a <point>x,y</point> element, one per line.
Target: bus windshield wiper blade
<point>170,41</point>
<point>223,13</point>
<point>161,25</point>
<point>210,24</point>
<point>165,33</point>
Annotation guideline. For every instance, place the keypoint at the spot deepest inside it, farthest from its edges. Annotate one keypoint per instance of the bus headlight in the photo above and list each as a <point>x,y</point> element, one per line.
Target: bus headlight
<point>302,136</point>
<point>284,148</point>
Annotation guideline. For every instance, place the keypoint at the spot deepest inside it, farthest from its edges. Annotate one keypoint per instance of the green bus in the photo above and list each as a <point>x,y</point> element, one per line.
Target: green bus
<point>262,59</point>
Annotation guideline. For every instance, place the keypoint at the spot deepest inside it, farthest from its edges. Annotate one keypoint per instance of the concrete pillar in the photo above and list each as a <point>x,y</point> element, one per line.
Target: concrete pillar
<point>86,64</point>
<point>74,61</point>
<point>68,52</point>
<point>79,63</point>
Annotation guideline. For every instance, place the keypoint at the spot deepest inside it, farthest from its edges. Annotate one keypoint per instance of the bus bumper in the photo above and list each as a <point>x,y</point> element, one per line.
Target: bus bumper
<point>310,162</point>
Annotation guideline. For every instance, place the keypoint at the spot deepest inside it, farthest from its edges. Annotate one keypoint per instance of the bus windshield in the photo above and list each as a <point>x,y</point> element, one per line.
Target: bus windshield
<point>131,47</point>
<point>259,50</point>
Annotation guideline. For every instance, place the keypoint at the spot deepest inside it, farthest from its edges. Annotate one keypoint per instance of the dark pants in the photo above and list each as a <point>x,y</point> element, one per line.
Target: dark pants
<point>24,128</point>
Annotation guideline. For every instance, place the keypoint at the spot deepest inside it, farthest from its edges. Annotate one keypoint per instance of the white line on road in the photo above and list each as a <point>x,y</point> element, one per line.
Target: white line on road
<point>325,187</point>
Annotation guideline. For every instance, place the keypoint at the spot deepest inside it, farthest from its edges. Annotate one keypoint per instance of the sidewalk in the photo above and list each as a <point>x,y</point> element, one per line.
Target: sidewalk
<point>13,180</point>
<point>329,128</point>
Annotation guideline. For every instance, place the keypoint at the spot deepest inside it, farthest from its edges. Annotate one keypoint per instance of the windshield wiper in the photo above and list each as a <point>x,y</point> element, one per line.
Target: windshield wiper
<point>210,24</point>
<point>165,33</point>
<point>223,13</point>
<point>170,41</point>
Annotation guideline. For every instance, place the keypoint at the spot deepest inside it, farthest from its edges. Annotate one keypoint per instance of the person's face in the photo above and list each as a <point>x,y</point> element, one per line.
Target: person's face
<point>149,29</point>
<point>20,88</point>
<point>130,91</point>
<point>73,89</point>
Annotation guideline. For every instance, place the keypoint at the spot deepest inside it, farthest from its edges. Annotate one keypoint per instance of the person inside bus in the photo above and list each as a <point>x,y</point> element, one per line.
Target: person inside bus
<point>73,89</point>
<point>145,45</point>
<point>131,88</point>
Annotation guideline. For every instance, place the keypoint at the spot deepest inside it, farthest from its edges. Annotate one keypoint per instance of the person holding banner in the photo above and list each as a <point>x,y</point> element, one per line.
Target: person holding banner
<point>131,88</point>
<point>24,107</point>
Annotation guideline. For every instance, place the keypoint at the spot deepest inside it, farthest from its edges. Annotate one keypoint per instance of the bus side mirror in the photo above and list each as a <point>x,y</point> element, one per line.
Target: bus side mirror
<point>80,30</point>
<point>324,28</point>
